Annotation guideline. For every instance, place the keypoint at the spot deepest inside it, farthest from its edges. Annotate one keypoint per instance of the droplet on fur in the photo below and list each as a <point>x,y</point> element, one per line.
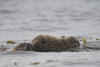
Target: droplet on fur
<point>35,63</point>
<point>11,42</point>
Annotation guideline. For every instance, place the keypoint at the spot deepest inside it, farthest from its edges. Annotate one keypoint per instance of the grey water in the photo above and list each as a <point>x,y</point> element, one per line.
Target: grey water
<point>24,19</point>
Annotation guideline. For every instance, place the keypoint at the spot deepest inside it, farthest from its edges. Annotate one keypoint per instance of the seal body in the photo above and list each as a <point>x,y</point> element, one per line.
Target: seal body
<point>71,44</point>
<point>46,43</point>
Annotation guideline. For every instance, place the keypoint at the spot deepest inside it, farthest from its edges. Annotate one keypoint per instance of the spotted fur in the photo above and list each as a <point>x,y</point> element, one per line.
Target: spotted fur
<point>46,43</point>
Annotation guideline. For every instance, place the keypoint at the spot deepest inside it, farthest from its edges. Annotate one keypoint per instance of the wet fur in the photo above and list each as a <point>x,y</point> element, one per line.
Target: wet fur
<point>46,43</point>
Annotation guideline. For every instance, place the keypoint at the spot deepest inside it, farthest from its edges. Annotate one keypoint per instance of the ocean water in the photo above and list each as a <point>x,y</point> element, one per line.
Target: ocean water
<point>25,19</point>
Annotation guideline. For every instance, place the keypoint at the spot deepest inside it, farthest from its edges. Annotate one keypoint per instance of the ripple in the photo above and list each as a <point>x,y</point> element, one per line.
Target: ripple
<point>7,11</point>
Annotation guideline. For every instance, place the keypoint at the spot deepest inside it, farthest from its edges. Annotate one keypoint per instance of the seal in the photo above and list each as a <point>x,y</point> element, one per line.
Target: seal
<point>47,43</point>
